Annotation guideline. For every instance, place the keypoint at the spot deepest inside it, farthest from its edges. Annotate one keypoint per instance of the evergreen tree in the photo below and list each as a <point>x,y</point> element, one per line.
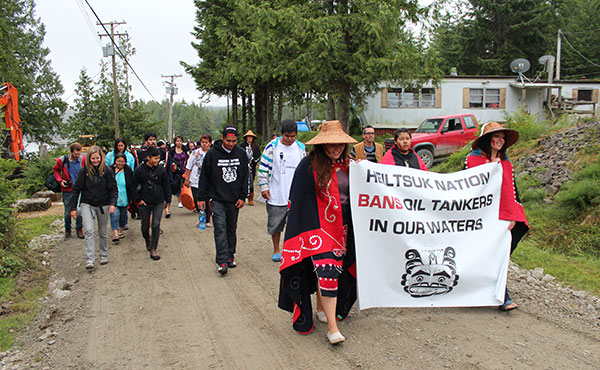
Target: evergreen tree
<point>580,57</point>
<point>492,33</point>
<point>280,48</point>
<point>24,63</point>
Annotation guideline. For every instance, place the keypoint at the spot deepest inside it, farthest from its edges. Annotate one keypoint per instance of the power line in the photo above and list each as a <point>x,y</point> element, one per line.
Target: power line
<point>87,20</point>
<point>119,51</point>
<point>579,32</point>
<point>575,50</point>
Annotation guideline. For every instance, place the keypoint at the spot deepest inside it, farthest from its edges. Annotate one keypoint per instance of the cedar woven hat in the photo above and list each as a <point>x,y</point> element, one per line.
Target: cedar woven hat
<point>511,136</point>
<point>250,133</point>
<point>331,132</point>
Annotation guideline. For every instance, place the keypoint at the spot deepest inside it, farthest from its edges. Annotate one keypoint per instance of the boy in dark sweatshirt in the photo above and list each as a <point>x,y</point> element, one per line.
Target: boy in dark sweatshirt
<point>224,180</point>
<point>153,191</point>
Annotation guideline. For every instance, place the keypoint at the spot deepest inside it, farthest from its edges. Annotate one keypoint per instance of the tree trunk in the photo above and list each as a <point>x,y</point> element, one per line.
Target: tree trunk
<point>309,109</point>
<point>270,111</point>
<point>250,113</point>
<point>330,107</point>
<point>234,106</point>
<point>244,116</point>
<point>260,116</point>
<point>344,107</point>
<point>279,106</point>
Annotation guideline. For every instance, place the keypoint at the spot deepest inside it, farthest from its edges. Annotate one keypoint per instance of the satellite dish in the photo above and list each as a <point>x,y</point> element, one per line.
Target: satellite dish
<point>545,59</point>
<point>520,65</point>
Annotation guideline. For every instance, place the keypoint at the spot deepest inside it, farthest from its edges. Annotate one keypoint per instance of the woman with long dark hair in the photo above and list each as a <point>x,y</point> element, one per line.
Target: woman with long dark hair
<point>491,146</point>
<point>253,153</point>
<point>123,177</point>
<point>318,250</point>
<point>98,189</point>
<point>121,147</point>
<point>179,156</point>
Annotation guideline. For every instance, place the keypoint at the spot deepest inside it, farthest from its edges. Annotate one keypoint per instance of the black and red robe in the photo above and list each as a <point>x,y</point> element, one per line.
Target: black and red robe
<point>315,225</point>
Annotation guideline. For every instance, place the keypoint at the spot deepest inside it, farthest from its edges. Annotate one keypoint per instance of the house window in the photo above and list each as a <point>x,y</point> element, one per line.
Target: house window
<point>484,98</point>
<point>411,98</point>
<point>585,95</point>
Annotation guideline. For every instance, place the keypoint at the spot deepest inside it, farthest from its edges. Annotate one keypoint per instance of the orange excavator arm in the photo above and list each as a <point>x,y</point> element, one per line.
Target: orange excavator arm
<point>9,103</point>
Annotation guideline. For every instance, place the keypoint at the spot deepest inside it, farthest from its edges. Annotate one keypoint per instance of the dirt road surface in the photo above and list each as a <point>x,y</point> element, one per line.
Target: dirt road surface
<point>178,313</point>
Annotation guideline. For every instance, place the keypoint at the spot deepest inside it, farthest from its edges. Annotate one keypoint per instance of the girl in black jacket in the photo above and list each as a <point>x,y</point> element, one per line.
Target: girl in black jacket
<point>153,190</point>
<point>98,189</point>
<point>123,177</point>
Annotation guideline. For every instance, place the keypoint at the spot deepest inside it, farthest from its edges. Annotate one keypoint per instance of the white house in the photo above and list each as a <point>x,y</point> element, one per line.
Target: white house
<point>487,97</point>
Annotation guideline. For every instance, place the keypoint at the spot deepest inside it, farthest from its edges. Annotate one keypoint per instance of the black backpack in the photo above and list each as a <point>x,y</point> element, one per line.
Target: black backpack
<point>51,182</point>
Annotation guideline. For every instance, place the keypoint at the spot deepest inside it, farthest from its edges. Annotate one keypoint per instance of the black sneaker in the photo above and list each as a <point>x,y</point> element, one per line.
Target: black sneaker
<point>222,269</point>
<point>231,263</point>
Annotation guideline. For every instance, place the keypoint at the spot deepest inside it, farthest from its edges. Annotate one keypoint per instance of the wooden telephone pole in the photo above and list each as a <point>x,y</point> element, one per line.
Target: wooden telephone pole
<point>171,90</point>
<point>114,69</point>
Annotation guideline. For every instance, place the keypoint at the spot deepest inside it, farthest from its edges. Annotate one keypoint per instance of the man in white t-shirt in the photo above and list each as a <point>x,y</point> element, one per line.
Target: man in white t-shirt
<point>193,167</point>
<point>275,173</point>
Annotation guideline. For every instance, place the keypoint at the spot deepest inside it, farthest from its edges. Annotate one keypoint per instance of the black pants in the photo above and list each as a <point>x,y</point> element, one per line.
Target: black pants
<point>156,211</point>
<point>225,217</point>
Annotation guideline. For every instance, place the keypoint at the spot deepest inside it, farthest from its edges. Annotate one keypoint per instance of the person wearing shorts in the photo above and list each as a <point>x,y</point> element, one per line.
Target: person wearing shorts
<point>275,173</point>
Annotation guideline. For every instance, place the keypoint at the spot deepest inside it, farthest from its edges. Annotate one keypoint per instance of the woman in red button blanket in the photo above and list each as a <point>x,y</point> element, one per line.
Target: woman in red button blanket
<point>318,249</point>
<point>491,146</point>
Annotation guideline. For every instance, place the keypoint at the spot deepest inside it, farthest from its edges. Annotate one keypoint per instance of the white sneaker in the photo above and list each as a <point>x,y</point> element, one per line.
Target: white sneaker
<point>180,205</point>
<point>103,260</point>
<point>322,317</point>
<point>89,265</point>
<point>335,338</point>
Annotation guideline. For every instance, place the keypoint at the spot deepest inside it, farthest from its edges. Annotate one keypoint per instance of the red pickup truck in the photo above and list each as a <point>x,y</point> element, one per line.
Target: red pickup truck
<point>441,136</point>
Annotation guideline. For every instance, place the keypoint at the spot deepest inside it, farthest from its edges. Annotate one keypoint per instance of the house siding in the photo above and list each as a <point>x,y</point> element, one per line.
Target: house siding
<point>450,99</point>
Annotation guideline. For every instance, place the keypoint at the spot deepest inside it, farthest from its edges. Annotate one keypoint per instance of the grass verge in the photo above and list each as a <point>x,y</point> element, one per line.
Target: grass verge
<point>579,272</point>
<point>20,293</point>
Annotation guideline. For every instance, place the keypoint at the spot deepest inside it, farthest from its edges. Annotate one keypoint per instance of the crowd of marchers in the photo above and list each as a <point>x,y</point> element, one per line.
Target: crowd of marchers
<point>297,187</point>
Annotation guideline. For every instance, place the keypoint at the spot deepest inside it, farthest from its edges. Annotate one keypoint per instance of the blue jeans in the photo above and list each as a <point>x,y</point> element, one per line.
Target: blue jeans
<point>67,197</point>
<point>119,218</point>
<point>225,216</point>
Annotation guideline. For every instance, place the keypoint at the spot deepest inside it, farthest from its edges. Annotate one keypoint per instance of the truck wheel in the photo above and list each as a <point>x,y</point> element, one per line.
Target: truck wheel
<point>427,156</point>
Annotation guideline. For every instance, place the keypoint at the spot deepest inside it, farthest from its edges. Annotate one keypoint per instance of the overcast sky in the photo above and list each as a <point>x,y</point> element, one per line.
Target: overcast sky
<point>159,30</point>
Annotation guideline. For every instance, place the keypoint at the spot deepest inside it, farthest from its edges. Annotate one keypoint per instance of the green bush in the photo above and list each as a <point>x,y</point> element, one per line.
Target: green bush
<point>584,191</point>
<point>8,196</point>
<point>530,128</point>
<point>37,170</point>
<point>455,162</point>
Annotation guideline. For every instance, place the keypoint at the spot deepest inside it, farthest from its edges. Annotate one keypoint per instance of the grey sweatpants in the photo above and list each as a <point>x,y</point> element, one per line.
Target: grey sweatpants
<point>88,213</point>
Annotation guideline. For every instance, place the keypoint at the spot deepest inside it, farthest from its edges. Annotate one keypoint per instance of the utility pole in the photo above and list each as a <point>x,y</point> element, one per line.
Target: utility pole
<point>171,90</point>
<point>114,68</point>
<point>558,47</point>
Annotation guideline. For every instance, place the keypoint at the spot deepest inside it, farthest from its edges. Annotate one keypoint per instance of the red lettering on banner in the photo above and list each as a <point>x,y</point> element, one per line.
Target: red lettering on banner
<point>376,201</point>
<point>363,200</point>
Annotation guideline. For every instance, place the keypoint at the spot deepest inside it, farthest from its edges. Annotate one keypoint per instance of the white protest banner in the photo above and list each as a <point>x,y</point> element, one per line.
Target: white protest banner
<point>426,239</point>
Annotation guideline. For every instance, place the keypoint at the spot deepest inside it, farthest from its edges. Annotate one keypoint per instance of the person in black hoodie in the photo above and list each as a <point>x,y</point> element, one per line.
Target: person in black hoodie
<point>98,189</point>
<point>153,191</point>
<point>224,180</point>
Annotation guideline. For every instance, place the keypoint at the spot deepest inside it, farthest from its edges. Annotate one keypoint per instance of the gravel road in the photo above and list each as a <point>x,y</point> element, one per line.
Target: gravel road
<point>178,313</point>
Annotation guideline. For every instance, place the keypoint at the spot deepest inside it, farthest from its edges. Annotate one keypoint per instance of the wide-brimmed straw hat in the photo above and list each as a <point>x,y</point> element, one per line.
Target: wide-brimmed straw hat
<point>250,133</point>
<point>511,136</point>
<point>332,133</point>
